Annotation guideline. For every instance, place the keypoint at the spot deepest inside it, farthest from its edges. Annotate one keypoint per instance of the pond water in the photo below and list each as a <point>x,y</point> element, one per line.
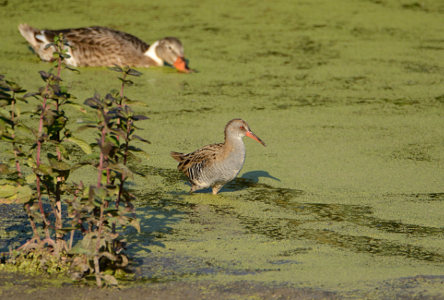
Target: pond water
<point>348,195</point>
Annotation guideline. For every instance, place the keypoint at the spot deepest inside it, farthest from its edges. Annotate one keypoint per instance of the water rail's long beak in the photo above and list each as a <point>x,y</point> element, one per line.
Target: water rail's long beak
<point>254,137</point>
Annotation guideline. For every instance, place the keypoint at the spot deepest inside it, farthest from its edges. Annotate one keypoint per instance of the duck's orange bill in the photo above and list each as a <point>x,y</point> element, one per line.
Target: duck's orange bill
<point>181,65</point>
<point>254,137</point>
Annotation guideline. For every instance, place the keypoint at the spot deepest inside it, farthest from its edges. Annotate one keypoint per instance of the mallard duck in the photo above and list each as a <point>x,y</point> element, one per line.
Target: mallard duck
<point>102,46</point>
<point>216,164</point>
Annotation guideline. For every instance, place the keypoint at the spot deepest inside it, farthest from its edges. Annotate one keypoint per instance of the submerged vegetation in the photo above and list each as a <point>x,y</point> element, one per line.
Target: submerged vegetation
<point>75,226</point>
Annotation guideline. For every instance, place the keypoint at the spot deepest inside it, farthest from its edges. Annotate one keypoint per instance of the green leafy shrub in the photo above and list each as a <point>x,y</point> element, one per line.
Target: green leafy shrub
<point>84,240</point>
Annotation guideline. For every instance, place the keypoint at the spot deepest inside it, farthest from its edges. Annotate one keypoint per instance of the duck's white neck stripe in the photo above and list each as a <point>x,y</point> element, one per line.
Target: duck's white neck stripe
<point>151,53</point>
<point>42,37</point>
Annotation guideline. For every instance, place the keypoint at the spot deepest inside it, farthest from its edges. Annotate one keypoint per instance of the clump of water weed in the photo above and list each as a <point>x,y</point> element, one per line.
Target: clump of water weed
<point>75,227</point>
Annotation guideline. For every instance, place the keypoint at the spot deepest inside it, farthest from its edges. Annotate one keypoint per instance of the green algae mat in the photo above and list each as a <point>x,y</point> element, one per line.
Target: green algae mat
<point>347,197</point>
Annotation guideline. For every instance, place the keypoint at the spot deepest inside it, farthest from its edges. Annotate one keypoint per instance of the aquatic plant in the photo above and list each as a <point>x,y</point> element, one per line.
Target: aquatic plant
<point>115,127</point>
<point>14,188</point>
<point>84,240</point>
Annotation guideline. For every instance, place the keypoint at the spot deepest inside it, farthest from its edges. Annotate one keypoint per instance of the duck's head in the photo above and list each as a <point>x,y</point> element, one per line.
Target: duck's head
<point>170,50</point>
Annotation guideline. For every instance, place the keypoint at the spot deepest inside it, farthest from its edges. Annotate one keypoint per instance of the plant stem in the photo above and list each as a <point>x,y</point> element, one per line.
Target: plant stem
<point>102,156</point>
<point>97,271</point>
<point>96,257</point>
<point>58,214</point>
<point>17,163</point>
<point>39,196</point>
<point>125,157</point>
<point>31,220</point>
<point>122,179</point>
<point>58,192</point>
<point>39,148</point>
<point>71,239</point>
<point>17,167</point>
<point>121,88</point>
<point>59,72</point>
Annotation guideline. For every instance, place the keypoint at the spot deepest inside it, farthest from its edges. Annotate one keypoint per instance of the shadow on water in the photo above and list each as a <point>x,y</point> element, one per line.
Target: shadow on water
<point>289,229</point>
<point>247,180</point>
<point>425,197</point>
<point>156,211</point>
<point>253,176</point>
<point>14,226</point>
<point>159,210</point>
<point>358,216</point>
